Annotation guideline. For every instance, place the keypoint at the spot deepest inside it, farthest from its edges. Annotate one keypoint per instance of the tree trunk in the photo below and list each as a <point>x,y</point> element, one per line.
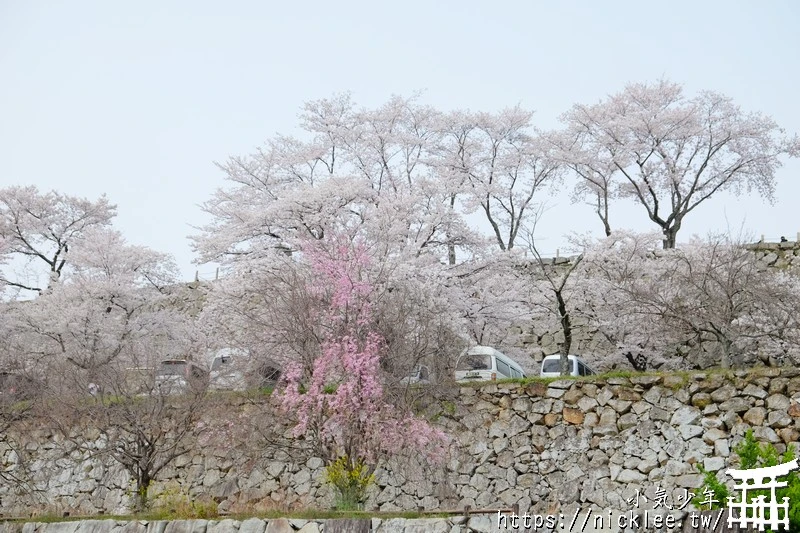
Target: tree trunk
<point>602,211</point>
<point>671,234</point>
<point>669,241</point>
<point>451,248</point>
<point>566,328</point>
<point>142,486</point>
<point>725,360</point>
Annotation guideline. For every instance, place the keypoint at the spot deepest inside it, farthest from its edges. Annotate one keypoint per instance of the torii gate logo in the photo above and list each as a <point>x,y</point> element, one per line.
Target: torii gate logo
<point>754,511</point>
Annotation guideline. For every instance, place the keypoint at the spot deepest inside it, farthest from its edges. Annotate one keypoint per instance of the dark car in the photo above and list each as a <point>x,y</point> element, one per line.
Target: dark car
<point>265,374</point>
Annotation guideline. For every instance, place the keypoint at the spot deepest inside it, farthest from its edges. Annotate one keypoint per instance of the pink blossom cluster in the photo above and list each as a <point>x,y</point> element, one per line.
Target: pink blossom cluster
<point>339,274</point>
<point>342,404</point>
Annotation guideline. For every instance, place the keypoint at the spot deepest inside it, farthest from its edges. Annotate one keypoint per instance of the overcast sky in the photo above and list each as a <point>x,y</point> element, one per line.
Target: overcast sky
<point>137,100</point>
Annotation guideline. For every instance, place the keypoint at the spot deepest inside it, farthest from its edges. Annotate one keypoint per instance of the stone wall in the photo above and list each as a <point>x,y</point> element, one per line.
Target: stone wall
<point>777,254</point>
<point>475,523</point>
<point>543,446</point>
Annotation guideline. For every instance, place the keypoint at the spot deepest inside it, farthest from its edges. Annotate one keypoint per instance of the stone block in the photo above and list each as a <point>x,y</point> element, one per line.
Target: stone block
<point>279,525</point>
<point>572,416</point>
<point>226,525</point>
<point>252,525</point>
<point>685,416</point>
<point>755,416</point>
<point>626,421</point>
<point>736,405</point>
<point>754,391</point>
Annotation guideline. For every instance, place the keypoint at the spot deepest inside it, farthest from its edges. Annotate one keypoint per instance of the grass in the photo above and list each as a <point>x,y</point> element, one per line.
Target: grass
<point>303,514</point>
<point>685,374</point>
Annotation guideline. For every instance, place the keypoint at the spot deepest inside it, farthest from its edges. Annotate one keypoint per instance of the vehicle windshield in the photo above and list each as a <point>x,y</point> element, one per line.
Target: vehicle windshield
<point>172,368</point>
<point>220,361</point>
<point>475,362</point>
<point>552,365</point>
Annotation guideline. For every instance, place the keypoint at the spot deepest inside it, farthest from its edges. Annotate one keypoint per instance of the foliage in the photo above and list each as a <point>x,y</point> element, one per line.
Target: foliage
<point>715,493</point>
<point>175,503</point>
<point>753,454</point>
<point>351,481</point>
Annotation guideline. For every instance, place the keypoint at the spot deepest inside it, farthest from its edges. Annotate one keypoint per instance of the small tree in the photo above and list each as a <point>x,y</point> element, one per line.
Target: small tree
<point>340,404</point>
<point>20,392</point>
<point>143,430</point>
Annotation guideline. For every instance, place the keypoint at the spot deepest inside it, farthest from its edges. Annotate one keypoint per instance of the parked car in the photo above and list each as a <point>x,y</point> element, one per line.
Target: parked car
<point>551,366</point>
<point>420,375</point>
<point>482,363</point>
<point>266,373</point>
<point>228,368</point>
<point>178,375</point>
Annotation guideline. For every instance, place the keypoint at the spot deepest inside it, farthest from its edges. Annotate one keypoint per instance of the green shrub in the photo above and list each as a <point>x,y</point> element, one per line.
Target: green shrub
<point>753,454</point>
<point>351,480</point>
<point>173,503</point>
<point>715,493</point>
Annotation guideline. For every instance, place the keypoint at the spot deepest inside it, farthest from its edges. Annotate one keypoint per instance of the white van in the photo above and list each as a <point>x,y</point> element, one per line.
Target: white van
<point>551,366</point>
<point>483,363</point>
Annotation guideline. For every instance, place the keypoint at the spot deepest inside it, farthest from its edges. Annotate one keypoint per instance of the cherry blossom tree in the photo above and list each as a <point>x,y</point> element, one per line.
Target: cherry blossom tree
<point>713,295</point>
<point>403,172</point>
<point>391,176</point>
<point>670,153</point>
<point>500,163</point>
<point>719,293</point>
<point>558,287</point>
<point>358,168</point>
<point>41,228</point>
<point>110,305</point>
<point>613,269</point>
<point>341,405</point>
<point>493,295</point>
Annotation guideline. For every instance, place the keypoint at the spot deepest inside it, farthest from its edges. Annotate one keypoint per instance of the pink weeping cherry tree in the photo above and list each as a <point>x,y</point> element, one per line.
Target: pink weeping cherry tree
<point>339,403</point>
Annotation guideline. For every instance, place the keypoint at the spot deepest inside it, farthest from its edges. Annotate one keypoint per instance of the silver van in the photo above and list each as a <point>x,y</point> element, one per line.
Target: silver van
<point>551,366</point>
<point>484,363</point>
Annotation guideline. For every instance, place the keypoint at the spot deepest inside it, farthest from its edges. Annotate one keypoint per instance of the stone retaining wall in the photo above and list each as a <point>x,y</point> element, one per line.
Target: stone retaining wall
<point>541,446</point>
<point>476,523</point>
